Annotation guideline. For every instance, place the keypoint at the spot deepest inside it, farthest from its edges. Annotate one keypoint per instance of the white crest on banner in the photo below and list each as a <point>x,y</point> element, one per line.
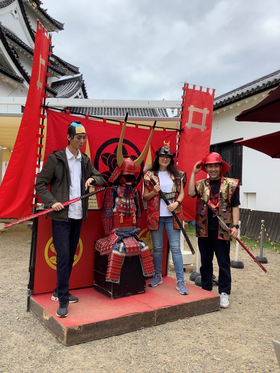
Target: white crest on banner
<point>204,113</point>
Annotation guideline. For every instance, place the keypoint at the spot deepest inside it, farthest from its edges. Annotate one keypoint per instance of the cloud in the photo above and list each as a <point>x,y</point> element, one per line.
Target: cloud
<point>146,49</point>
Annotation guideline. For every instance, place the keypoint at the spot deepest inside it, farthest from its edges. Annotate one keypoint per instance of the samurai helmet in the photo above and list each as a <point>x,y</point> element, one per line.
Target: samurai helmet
<point>126,167</point>
<point>75,128</point>
<point>213,158</point>
<point>165,150</point>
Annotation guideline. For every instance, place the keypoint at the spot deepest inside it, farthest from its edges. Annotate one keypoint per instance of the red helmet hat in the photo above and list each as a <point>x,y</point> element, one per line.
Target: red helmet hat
<point>213,158</point>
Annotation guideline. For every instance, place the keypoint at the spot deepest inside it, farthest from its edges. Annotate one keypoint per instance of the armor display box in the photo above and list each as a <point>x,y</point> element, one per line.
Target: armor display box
<point>132,280</point>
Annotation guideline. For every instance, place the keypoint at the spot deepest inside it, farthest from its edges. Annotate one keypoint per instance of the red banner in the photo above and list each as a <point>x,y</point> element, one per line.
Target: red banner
<point>17,188</point>
<point>196,125</point>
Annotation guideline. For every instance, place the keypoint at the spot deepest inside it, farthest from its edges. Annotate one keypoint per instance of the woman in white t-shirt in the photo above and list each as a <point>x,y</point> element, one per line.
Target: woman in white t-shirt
<point>171,182</point>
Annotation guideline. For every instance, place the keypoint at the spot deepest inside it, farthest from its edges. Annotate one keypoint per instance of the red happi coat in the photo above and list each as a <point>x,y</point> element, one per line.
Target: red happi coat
<point>153,203</point>
<point>227,189</point>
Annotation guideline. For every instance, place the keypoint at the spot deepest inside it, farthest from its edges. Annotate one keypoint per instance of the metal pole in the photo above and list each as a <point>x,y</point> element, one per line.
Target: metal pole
<point>195,274</point>
<point>261,258</point>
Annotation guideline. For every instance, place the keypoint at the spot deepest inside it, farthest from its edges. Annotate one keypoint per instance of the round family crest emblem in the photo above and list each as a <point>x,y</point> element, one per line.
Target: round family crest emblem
<point>50,253</point>
<point>106,156</point>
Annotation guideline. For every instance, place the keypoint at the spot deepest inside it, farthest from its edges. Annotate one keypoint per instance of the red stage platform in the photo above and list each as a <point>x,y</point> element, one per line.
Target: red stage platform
<point>95,316</point>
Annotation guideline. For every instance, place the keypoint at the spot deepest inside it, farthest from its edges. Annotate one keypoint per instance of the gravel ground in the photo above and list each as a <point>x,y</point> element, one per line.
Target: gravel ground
<point>237,339</point>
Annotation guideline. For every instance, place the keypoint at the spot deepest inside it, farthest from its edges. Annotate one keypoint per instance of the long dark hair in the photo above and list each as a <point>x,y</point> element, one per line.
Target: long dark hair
<point>171,168</point>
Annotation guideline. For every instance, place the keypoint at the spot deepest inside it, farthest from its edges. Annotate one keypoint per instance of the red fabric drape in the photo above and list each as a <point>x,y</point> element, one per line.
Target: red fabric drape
<point>17,188</point>
<point>196,124</point>
<point>103,140</point>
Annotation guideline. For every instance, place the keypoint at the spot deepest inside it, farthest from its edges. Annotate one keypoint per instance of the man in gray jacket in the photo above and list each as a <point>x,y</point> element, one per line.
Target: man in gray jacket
<point>69,174</point>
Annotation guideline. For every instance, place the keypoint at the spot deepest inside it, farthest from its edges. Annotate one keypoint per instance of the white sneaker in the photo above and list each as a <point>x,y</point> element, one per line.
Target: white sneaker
<point>224,302</point>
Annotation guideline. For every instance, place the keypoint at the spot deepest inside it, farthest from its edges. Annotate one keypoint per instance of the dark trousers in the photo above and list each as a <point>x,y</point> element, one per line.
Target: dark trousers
<point>207,247</point>
<point>66,236</point>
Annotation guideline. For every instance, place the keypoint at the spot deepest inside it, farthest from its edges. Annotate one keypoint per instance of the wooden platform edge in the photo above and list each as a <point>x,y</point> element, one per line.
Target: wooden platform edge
<point>70,336</point>
<point>185,310</point>
<point>93,331</point>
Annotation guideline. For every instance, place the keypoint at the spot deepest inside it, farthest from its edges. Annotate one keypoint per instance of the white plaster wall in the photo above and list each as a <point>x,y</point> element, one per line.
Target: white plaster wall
<point>26,62</point>
<point>8,90</point>
<point>260,173</point>
<point>12,19</point>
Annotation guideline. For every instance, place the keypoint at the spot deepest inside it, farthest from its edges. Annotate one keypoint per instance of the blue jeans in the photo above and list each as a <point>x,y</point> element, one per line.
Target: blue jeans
<point>66,236</point>
<point>174,244</point>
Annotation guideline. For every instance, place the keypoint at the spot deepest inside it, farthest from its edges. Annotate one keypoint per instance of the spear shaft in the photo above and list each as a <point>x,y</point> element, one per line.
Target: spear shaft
<point>33,216</point>
<point>237,239</point>
<point>176,218</point>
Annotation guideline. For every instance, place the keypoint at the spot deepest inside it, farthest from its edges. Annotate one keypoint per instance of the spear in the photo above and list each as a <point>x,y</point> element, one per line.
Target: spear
<point>162,195</point>
<point>33,216</point>
<point>237,239</point>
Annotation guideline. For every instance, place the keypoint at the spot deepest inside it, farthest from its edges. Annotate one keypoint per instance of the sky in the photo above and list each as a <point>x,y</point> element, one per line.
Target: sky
<point>147,49</point>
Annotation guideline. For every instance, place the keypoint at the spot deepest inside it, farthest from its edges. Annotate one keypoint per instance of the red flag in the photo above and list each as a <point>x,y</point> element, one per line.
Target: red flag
<point>17,188</point>
<point>196,125</point>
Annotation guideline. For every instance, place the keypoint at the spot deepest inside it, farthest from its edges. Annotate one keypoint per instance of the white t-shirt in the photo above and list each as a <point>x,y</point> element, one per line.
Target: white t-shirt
<point>75,166</point>
<point>166,184</point>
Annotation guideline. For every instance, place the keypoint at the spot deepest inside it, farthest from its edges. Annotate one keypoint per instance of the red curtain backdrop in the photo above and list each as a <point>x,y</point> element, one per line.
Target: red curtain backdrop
<point>103,139</point>
<point>17,188</point>
<point>196,125</point>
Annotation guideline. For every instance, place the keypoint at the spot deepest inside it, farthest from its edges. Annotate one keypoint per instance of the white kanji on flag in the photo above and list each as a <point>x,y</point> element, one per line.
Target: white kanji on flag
<point>204,113</point>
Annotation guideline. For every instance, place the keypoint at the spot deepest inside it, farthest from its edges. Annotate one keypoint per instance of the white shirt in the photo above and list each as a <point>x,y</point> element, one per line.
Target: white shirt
<point>75,209</point>
<point>166,184</point>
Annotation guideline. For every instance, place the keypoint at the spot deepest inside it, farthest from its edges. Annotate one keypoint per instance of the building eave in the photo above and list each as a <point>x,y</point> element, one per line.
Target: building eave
<point>255,87</point>
<point>50,23</point>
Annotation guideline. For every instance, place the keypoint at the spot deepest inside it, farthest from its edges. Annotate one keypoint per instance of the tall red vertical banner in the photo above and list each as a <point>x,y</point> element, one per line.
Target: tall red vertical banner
<point>196,126</point>
<point>17,188</point>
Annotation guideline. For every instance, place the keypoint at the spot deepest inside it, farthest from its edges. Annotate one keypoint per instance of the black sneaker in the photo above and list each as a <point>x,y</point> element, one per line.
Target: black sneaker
<point>72,298</point>
<point>62,310</point>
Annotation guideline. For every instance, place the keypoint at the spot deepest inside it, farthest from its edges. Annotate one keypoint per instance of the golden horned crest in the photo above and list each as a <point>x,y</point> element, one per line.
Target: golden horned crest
<point>166,143</point>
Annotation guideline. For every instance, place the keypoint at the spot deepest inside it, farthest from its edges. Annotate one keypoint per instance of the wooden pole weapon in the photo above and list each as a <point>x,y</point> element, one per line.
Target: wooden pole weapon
<point>237,239</point>
<point>162,195</point>
<point>33,216</point>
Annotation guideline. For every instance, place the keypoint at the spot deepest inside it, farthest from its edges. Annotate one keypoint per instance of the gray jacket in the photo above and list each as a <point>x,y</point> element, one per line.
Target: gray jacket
<point>56,174</point>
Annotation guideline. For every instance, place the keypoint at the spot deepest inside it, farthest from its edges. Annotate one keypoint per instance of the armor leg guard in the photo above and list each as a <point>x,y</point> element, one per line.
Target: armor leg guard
<point>147,262</point>
<point>114,267</point>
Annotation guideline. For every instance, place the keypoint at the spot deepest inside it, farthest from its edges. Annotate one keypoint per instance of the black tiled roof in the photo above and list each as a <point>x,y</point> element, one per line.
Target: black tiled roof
<point>10,37</point>
<point>69,87</point>
<point>4,3</point>
<point>18,41</point>
<point>71,68</point>
<point>12,53</point>
<point>256,86</point>
<point>119,112</point>
<point>59,70</point>
<point>57,24</point>
<point>10,74</point>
